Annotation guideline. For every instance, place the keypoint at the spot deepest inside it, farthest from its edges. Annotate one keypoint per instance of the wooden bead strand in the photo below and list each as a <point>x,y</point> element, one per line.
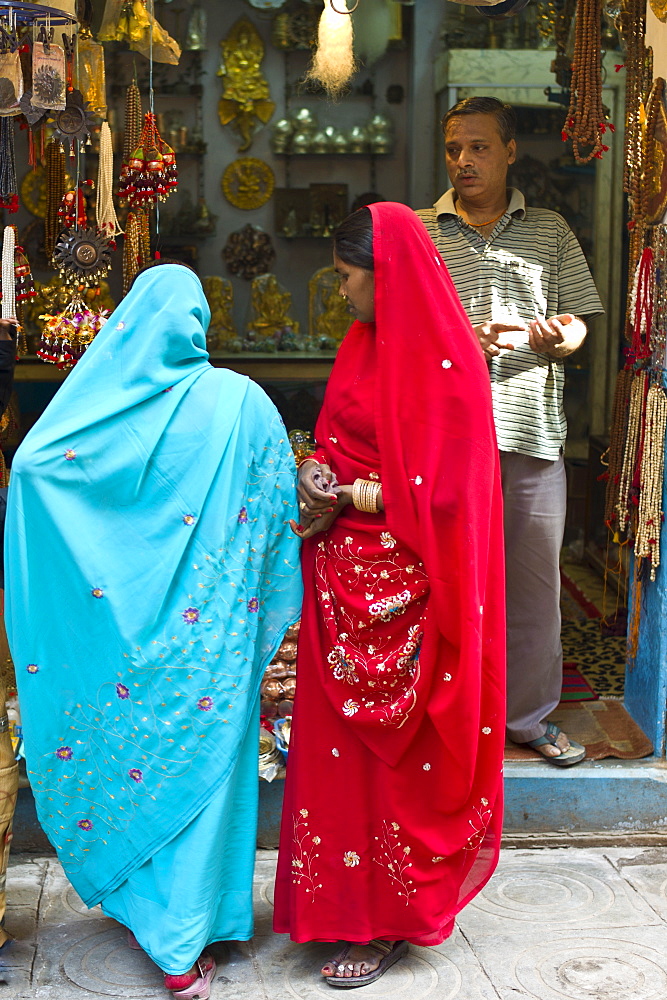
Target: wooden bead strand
<point>631,451</point>
<point>585,122</point>
<point>55,191</point>
<point>650,514</point>
<point>619,427</point>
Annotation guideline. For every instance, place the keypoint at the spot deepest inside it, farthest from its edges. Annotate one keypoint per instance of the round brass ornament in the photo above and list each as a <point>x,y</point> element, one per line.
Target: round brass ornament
<point>84,253</point>
<point>33,191</point>
<point>248,183</point>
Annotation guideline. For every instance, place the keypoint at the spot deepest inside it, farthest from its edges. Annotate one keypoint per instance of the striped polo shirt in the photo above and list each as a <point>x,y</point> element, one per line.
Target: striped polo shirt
<point>531,265</point>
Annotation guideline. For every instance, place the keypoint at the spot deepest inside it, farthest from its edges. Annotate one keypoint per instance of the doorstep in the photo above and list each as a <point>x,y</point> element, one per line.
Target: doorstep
<point>597,797</point>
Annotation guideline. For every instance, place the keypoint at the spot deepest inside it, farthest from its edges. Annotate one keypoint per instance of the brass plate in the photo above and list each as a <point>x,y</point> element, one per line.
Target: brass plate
<point>248,183</point>
<point>33,191</point>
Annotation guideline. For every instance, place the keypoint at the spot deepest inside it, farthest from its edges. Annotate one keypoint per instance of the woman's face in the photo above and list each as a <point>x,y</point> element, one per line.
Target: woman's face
<point>357,285</point>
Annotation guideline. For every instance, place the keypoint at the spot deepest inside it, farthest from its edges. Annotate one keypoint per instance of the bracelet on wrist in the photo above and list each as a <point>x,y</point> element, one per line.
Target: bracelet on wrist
<point>365,494</point>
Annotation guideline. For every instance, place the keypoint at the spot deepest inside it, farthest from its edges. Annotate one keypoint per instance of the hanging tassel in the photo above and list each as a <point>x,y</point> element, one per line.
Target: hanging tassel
<point>150,175</point>
<point>333,62</point>
<point>66,335</point>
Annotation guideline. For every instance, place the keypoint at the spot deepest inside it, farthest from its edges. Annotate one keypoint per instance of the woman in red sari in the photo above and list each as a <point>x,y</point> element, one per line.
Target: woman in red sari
<point>393,799</point>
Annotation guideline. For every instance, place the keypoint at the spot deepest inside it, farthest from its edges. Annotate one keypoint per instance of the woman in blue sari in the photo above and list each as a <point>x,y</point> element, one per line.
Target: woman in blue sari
<point>151,576</point>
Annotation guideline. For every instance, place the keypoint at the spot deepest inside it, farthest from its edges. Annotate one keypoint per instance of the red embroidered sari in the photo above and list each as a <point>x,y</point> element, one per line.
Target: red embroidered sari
<point>393,799</point>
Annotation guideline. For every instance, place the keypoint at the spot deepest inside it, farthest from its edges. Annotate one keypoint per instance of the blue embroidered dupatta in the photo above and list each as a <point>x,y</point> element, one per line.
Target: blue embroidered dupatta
<point>151,574</point>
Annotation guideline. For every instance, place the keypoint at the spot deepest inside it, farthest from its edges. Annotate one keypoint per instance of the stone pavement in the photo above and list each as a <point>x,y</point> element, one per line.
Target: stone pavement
<point>553,924</point>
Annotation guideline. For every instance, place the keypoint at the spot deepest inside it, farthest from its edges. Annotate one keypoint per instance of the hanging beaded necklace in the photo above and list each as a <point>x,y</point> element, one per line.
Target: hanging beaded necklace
<point>585,122</point>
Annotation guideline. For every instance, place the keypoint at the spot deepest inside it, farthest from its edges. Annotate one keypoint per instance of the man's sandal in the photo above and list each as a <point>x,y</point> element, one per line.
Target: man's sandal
<point>574,753</point>
<point>391,952</point>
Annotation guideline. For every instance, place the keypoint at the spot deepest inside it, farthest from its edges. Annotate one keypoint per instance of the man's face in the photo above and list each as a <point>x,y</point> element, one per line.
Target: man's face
<point>476,157</point>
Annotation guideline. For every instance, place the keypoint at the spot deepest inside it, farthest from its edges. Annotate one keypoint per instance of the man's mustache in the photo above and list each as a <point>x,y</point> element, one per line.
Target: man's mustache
<point>466,173</point>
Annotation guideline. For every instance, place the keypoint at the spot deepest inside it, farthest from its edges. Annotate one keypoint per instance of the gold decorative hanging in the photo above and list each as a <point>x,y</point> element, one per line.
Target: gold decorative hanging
<point>89,76</point>
<point>654,156</point>
<point>248,183</point>
<point>245,100</point>
<point>131,21</point>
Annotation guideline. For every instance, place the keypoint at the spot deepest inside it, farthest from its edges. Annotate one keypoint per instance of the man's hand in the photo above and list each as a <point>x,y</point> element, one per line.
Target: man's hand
<point>491,339</point>
<point>557,337</point>
<point>8,328</point>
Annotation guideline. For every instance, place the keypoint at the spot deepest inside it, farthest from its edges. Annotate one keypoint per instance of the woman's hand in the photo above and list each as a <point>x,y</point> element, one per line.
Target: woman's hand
<point>315,516</point>
<point>317,489</point>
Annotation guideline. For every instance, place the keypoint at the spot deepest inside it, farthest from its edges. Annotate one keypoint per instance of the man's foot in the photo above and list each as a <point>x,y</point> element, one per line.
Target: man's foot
<point>557,748</point>
<point>360,964</point>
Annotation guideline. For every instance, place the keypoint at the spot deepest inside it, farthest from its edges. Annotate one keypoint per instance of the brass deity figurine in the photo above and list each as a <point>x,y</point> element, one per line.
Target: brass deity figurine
<point>271,327</point>
<point>328,313</point>
<point>245,97</point>
<point>221,335</point>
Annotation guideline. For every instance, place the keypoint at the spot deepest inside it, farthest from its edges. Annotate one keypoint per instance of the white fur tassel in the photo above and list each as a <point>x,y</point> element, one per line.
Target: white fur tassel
<point>333,63</point>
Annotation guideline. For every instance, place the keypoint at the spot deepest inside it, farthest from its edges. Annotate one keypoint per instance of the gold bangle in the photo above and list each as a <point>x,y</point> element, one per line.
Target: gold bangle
<point>365,494</point>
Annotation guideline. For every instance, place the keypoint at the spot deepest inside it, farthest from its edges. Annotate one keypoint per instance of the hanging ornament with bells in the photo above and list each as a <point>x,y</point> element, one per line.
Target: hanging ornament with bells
<point>83,254</point>
<point>67,334</point>
<point>150,175</point>
<point>74,123</point>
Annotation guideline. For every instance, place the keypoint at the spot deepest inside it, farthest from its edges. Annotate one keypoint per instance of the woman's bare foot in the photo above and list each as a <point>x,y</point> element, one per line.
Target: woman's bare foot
<point>353,960</point>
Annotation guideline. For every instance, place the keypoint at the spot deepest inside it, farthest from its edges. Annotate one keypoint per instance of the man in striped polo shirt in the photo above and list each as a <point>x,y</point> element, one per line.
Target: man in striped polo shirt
<point>524,282</point>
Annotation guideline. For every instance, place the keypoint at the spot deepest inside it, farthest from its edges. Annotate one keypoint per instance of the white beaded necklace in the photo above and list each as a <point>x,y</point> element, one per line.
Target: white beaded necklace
<point>107,221</point>
<point>8,274</point>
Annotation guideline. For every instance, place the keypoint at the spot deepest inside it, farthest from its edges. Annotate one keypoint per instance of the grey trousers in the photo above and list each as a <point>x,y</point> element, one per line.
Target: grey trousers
<point>535,493</point>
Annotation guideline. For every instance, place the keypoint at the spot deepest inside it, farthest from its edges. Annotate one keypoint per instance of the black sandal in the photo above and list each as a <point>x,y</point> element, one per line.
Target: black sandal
<point>391,950</point>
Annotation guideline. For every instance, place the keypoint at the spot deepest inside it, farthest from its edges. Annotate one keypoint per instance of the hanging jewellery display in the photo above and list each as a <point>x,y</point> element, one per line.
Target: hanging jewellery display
<point>585,123</point>
<point>248,183</point>
<point>631,25</point>
<point>107,220</point>
<point>136,246</point>
<point>8,306</point>
<point>9,197</point>
<point>16,285</point>
<point>619,429</point>
<point>55,191</point>
<point>132,129</point>
<point>245,101</point>
<point>650,514</point>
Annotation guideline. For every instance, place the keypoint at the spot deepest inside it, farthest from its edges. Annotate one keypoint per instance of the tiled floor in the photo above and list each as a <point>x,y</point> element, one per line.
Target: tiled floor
<point>553,924</point>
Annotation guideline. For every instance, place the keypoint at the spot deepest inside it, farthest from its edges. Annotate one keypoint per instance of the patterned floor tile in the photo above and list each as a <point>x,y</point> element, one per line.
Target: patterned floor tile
<point>615,964</point>
<point>556,888</point>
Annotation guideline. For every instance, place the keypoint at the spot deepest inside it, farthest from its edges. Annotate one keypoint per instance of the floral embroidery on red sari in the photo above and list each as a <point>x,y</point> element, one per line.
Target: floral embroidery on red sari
<point>372,596</point>
<point>304,854</point>
<point>479,825</point>
<point>394,857</point>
